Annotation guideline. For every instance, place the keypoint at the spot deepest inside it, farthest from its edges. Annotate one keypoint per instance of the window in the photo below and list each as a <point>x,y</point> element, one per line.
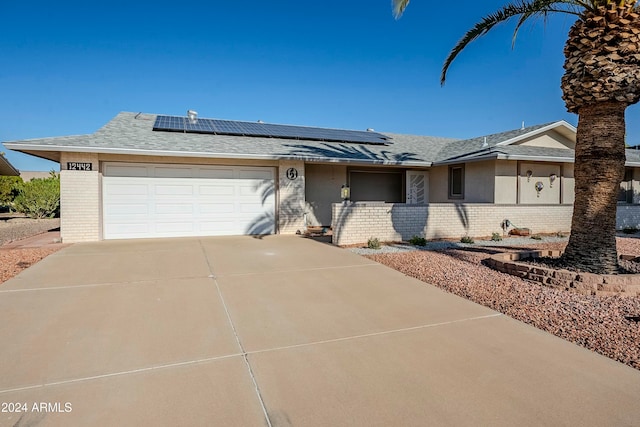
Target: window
<point>625,195</point>
<point>456,182</point>
<point>381,186</point>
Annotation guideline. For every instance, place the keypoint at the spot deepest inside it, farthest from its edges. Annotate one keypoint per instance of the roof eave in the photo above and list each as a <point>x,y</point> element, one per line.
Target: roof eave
<point>31,148</point>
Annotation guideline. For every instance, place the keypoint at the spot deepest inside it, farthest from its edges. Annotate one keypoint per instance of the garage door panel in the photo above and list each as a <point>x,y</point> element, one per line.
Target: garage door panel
<point>124,189</point>
<point>174,190</point>
<point>217,190</point>
<point>217,173</point>
<point>126,171</point>
<point>127,209</point>
<point>174,209</point>
<point>177,172</point>
<point>217,208</point>
<point>167,201</point>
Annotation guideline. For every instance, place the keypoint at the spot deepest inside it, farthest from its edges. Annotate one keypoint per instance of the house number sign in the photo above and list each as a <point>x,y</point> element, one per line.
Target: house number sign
<point>292,173</point>
<point>79,166</point>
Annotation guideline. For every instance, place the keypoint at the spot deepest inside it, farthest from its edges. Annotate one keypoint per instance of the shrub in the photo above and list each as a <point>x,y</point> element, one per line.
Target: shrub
<point>496,237</point>
<point>373,243</point>
<point>467,239</point>
<point>630,230</point>
<point>9,189</point>
<point>418,241</point>
<point>536,237</point>
<point>39,198</point>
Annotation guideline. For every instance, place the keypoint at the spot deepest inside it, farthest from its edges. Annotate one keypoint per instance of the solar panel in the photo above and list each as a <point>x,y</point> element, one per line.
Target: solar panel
<point>229,127</point>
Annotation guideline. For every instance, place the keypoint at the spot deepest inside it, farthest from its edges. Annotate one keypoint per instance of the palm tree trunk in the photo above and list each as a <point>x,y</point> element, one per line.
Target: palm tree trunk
<point>599,170</point>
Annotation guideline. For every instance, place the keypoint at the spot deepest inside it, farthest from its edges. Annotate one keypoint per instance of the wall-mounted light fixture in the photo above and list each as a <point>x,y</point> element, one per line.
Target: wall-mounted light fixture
<point>529,175</point>
<point>552,178</point>
<point>345,192</point>
<point>539,187</point>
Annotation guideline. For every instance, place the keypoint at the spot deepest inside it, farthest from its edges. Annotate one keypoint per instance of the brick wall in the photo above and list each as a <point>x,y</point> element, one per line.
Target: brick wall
<point>357,222</point>
<point>79,200</point>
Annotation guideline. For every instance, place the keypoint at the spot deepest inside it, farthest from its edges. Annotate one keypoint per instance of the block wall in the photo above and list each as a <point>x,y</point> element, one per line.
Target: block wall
<point>79,199</point>
<point>357,222</point>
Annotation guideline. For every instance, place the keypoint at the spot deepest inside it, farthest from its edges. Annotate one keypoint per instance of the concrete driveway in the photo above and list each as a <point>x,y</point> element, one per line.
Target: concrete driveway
<point>280,331</point>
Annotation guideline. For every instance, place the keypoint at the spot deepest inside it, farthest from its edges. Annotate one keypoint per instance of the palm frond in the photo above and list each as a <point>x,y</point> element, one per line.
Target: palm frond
<point>398,7</point>
<point>526,9</point>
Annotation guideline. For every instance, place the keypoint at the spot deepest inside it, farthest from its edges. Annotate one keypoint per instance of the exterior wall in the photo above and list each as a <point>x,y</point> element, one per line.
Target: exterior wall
<point>568,184</point>
<point>291,205</point>
<point>357,222</point>
<point>506,188</point>
<point>322,189</point>
<point>79,200</point>
<point>185,160</point>
<point>550,194</point>
<point>479,183</point>
<point>548,140</point>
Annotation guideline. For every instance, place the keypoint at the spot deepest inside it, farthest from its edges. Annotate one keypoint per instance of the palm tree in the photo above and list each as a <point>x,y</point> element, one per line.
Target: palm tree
<point>601,79</point>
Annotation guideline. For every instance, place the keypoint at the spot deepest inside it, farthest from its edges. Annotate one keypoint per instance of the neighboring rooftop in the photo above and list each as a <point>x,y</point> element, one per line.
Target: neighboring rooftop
<point>6,168</point>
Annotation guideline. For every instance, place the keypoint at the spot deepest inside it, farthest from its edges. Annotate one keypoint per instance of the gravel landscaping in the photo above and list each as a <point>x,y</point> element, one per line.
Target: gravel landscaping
<point>13,261</point>
<point>608,325</point>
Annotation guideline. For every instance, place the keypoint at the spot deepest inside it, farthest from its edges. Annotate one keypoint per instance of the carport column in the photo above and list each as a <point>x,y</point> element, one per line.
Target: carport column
<point>291,196</point>
<point>79,198</point>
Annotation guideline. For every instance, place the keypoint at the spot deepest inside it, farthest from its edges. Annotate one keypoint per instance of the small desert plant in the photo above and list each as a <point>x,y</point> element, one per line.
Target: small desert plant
<point>630,230</point>
<point>560,235</point>
<point>418,241</point>
<point>536,237</point>
<point>373,243</point>
<point>496,237</point>
<point>467,239</point>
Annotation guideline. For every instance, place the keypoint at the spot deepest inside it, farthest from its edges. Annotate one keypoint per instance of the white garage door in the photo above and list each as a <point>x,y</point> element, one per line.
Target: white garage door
<point>153,200</point>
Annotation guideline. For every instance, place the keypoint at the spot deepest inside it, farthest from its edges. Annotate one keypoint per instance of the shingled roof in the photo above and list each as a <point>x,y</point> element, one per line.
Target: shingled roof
<point>132,133</point>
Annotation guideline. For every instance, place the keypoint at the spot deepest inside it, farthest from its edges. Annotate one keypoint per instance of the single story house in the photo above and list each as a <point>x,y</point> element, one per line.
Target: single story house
<point>147,175</point>
<point>6,168</point>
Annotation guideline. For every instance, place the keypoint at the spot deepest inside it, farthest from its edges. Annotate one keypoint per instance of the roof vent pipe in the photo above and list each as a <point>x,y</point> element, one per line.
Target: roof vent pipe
<point>485,143</point>
<point>193,116</point>
<point>522,128</point>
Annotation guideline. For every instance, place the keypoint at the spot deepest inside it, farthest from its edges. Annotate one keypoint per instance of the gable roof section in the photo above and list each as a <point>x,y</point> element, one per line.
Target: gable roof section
<point>504,146</point>
<point>131,133</point>
<point>6,168</point>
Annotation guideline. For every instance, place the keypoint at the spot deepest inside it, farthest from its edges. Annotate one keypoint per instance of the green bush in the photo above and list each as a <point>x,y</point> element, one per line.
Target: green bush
<point>373,243</point>
<point>467,239</point>
<point>496,237</point>
<point>418,241</point>
<point>39,198</point>
<point>9,189</point>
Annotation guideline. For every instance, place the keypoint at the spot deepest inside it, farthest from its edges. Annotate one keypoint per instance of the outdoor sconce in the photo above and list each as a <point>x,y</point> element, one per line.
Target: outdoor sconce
<point>552,178</point>
<point>539,187</point>
<point>345,192</point>
<point>529,175</point>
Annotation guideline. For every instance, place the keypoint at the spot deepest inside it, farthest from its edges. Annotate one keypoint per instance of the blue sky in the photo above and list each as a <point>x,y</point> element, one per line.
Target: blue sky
<point>68,67</point>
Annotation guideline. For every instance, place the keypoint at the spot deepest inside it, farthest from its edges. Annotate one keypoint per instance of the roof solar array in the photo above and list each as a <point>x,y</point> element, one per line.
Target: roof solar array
<point>228,127</point>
